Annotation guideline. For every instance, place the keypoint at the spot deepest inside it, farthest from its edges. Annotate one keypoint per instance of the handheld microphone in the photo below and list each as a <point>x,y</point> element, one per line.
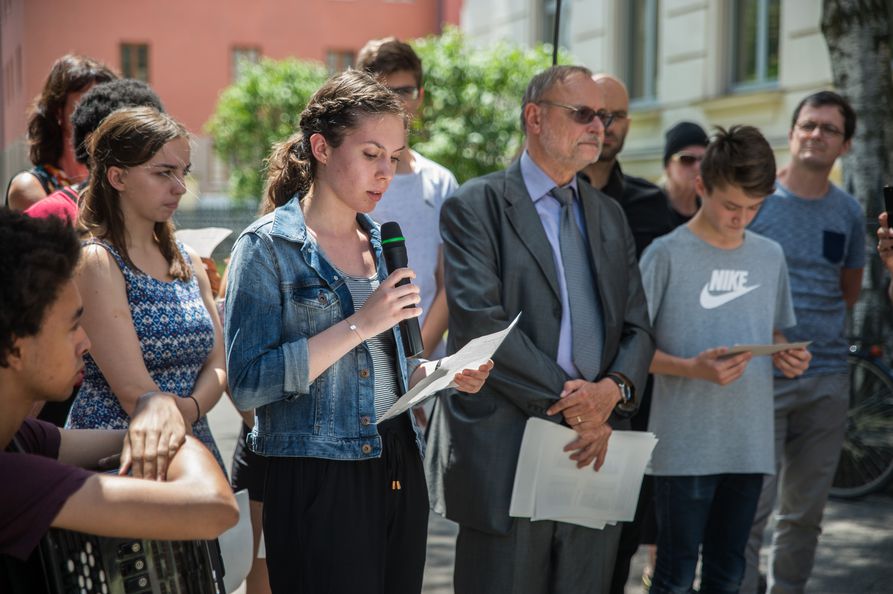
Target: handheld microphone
<point>394,246</point>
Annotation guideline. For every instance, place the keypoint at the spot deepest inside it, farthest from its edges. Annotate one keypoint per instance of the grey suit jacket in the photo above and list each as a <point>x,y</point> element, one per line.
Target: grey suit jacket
<point>498,262</point>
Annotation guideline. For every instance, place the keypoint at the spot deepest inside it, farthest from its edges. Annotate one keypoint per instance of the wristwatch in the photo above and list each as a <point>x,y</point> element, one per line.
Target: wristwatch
<point>627,402</point>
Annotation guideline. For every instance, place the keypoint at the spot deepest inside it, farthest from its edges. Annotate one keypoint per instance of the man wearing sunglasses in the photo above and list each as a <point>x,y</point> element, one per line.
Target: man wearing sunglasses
<point>684,147</point>
<point>822,231</point>
<point>537,240</point>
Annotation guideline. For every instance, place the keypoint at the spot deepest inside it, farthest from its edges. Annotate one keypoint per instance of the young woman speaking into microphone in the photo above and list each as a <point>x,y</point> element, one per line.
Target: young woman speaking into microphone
<point>312,345</point>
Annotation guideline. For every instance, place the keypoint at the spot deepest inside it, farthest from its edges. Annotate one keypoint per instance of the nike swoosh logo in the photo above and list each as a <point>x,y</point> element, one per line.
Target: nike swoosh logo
<point>709,301</point>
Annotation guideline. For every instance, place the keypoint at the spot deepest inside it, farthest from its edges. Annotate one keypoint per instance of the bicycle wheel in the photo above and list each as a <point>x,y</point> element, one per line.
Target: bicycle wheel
<point>866,459</point>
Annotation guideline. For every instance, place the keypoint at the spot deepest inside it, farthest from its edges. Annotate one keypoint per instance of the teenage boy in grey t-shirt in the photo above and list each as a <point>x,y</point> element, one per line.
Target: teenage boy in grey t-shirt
<point>710,284</point>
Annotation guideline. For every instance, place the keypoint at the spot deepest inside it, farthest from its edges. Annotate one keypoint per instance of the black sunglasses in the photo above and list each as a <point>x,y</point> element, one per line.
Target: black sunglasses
<point>687,159</point>
<point>584,115</point>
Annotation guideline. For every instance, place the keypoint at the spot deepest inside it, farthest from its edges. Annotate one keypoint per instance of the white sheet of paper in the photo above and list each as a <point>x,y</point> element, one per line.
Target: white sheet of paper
<point>523,493</point>
<point>766,349</point>
<point>474,354</point>
<point>549,486</point>
<point>203,240</point>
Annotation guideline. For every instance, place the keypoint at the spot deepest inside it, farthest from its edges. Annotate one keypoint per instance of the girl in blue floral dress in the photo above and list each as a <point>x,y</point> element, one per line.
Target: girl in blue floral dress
<point>148,307</point>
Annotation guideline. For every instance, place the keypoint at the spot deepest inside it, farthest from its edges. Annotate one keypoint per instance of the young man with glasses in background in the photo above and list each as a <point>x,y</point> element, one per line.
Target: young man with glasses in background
<point>417,191</point>
<point>822,231</point>
<point>684,146</point>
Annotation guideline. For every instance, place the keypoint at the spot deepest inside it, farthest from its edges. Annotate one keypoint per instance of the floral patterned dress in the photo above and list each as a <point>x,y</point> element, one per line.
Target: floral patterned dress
<point>176,335</point>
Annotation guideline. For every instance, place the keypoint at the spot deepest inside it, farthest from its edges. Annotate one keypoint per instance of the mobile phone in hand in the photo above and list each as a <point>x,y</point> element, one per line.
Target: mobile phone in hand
<point>888,204</point>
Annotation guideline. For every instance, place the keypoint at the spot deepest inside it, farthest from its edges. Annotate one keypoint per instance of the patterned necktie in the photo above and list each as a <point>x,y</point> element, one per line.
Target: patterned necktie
<point>587,327</point>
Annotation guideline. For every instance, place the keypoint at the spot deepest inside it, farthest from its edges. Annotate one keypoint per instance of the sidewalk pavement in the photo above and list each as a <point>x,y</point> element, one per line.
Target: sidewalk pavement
<point>855,554</point>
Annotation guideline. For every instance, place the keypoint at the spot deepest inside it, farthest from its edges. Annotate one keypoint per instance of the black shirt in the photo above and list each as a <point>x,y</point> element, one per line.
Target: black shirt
<point>646,206</point>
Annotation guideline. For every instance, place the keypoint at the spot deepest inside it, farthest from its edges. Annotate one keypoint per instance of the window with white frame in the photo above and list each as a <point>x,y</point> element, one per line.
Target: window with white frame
<point>242,58</point>
<point>135,61</point>
<point>548,15</point>
<point>339,60</point>
<point>642,33</point>
<point>755,28</point>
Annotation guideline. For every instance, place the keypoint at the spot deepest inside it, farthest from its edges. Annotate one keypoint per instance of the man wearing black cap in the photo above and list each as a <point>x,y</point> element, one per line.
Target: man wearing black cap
<point>684,148</point>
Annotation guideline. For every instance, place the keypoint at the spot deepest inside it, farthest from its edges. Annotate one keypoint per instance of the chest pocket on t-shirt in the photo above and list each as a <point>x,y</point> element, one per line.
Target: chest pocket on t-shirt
<point>833,244</point>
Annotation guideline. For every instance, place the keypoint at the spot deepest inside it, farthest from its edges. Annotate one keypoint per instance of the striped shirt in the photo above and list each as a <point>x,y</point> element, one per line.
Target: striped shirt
<point>382,347</point>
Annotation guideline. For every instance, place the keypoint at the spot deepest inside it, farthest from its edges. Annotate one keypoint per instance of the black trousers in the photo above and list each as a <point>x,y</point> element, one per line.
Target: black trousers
<point>643,528</point>
<point>345,526</point>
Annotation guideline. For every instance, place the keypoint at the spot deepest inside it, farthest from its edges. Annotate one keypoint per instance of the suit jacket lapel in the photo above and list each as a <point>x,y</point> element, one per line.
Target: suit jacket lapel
<point>523,217</point>
<point>598,236</point>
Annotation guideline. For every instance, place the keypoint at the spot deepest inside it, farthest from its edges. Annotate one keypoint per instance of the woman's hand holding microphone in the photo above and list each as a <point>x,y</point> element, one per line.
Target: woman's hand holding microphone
<point>388,305</point>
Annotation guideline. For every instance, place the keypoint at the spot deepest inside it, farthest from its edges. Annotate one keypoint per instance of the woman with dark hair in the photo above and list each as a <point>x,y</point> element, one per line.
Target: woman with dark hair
<point>313,345</point>
<point>50,132</point>
<point>148,307</point>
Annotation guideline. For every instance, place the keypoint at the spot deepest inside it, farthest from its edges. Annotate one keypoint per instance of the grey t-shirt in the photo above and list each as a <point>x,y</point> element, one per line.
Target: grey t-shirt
<point>413,200</point>
<point>702,297</point>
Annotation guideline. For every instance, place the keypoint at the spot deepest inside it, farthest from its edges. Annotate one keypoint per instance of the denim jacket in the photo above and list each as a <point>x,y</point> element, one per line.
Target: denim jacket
<point>282,291</point>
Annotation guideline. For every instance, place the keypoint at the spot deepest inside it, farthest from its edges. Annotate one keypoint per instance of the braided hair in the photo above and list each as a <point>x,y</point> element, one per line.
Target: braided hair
<point>334,111</point>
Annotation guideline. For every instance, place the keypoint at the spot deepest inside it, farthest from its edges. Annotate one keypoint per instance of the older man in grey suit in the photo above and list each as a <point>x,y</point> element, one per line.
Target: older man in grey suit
<point>532,239</point>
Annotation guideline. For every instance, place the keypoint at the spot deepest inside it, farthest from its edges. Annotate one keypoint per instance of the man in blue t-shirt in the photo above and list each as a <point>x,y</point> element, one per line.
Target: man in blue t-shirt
<point>822,231</point>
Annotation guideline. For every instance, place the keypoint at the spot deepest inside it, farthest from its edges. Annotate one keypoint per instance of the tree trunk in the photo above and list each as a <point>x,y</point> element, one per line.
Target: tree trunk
<point>858,36</point>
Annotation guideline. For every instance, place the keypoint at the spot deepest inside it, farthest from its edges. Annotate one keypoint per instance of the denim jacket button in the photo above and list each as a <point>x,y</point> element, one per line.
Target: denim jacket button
<point>364,373</point>
<point>364,420</point>
<point>322,297</point>
<point>367,449</point>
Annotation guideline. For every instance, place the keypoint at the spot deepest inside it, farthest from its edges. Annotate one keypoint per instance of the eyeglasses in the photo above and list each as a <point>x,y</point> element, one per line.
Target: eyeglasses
<point>687,159</point>
<point>584,115</point>
<point>827,129</point>
<point>408,93</point>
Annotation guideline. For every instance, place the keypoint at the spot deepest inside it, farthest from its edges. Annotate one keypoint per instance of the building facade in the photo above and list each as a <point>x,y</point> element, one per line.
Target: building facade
<point>720,62</point>
<point>188,51</point>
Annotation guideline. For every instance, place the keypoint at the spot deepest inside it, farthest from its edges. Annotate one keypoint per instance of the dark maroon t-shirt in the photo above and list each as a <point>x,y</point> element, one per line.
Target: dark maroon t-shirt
<point>33,487</point>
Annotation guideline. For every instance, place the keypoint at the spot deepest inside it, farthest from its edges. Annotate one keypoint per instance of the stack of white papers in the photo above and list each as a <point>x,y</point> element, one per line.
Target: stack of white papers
<point>549,486</point>
<point>474,354</point>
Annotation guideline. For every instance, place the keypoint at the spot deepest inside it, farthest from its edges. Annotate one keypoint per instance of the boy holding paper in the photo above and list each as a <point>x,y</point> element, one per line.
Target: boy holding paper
<point>711,284</point>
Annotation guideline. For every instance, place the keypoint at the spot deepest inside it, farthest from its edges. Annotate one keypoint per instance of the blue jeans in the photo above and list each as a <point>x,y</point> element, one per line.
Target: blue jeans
<point>715,511</point>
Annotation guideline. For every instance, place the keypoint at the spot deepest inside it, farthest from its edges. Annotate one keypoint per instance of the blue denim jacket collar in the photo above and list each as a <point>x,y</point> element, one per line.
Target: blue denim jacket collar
<point>289,224</point>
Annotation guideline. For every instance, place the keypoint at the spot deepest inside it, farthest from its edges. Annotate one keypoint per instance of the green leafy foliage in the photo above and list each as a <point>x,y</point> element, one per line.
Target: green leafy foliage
<point>262,108</point>
<point>470,122</point>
